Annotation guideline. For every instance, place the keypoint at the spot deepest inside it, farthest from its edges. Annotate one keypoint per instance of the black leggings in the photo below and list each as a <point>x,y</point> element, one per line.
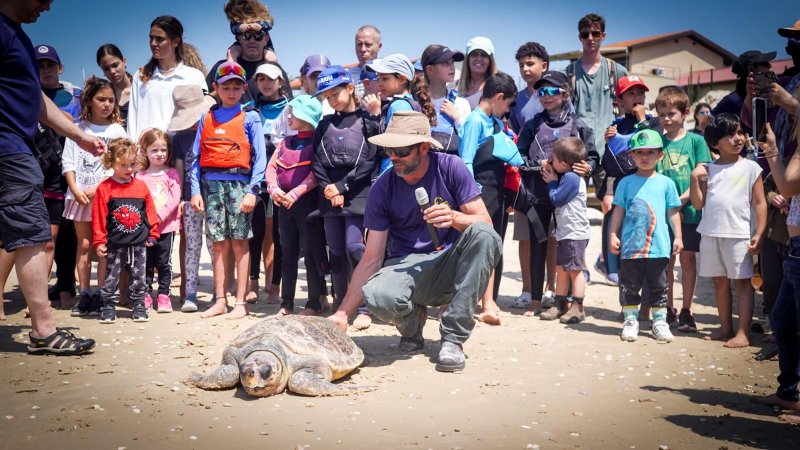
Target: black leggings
<point>65,255</point>
<point>159,257</point>
<point>259,227</point>
<point>539,252</point>
<point>301,237</point>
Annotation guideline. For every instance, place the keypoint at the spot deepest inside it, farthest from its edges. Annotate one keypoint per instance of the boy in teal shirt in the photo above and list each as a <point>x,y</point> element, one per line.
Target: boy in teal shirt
<point>646,200</point>
<point>683,152</point>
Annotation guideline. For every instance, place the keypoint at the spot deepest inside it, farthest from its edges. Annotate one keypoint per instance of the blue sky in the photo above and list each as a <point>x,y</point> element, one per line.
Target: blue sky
<point>76,28</point>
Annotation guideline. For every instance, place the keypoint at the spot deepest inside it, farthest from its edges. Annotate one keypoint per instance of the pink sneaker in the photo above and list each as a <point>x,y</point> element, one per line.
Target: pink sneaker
<point>164,304</point>
<point>148,302</point>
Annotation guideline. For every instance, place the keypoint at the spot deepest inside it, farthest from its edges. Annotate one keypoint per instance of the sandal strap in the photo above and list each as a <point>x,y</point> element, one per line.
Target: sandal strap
<point>240,303</point>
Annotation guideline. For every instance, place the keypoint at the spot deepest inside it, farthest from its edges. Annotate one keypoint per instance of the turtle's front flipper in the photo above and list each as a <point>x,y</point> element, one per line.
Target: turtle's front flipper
<point>309,381</point>
<point>224,376</point>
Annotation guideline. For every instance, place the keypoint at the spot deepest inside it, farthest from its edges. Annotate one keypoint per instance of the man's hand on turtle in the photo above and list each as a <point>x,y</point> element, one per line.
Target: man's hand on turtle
<point>340,319</point>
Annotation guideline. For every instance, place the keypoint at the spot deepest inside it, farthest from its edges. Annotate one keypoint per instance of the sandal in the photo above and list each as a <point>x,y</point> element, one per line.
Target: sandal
<point>522,302</point>
<point>62,342</point>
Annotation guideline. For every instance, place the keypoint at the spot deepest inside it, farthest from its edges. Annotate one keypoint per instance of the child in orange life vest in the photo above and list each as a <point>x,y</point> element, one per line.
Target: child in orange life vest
<point>293,187</point>
<point>229,159</point>
<point>124,223</point>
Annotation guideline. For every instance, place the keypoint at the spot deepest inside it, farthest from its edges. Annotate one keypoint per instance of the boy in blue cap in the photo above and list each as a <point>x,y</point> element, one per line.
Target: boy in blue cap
<point>229,159</point>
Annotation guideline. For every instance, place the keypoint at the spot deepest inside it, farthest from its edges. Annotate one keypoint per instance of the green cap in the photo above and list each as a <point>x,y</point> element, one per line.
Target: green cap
<point>646,139</point>
<point>307,108</point>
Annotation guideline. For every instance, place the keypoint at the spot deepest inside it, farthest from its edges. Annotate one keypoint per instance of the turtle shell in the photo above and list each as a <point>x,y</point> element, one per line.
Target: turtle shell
<point>307,336</point>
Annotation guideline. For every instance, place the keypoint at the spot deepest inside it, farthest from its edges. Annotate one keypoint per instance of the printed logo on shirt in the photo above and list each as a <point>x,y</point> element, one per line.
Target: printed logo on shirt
<point>219,131</point>
<point>127,219</point>
<point>440,201</point>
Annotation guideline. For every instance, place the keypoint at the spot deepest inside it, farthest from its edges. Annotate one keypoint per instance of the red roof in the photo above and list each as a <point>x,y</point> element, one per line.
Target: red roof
<point>725,74</point>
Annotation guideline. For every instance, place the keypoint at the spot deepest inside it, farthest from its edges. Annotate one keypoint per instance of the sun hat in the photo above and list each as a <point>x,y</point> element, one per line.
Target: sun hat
<point>396,63</point>
<point>190,105</point>
<point>406,128</point>
<point>480,43</point>
<point>331,77</point>
<point>306,108</point>
<point>792,31</point>
<point>646,139</point>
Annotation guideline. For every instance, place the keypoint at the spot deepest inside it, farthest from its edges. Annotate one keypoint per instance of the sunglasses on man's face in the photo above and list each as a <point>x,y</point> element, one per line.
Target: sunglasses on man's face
<point>401,152</point>
<point>549,91</point>
<point>597,34</point>
<point>255,36</point>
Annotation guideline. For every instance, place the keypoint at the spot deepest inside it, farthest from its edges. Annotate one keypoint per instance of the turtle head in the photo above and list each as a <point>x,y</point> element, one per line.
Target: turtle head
<point>261,374</point>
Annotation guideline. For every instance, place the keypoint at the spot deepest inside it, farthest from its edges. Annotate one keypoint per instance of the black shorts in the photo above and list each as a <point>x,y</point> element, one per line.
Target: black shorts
<point>24,220</point>
<point>690,236</point>
<point>571,255</point>
<point>55,209</point>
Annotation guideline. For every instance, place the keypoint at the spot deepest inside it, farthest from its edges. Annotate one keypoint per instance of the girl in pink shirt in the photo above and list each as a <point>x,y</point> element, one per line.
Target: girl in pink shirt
<point>165,188</point>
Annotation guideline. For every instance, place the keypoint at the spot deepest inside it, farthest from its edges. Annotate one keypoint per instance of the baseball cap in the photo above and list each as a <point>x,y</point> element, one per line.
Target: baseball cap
<point>315,63</point>
<point>331,77</point>
<point>792,31</point>
<point>441,54</point>
<point>230,71</point>
<point>271,71</point>
<point>480,43</point>
<point>418,66</point>
<point>396,63</point>
<point>749,59</point>
<point>554,77</point>
<point>306,108</point>
<point>628,82</point>
<point>646,139</point>
<point>406,128</point>
<point>47,52</point>
<point>367,75</point>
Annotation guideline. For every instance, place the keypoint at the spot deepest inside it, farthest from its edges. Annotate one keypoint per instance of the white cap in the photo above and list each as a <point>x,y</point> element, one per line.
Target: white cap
<point>270,70</point>
<point>480,43</point>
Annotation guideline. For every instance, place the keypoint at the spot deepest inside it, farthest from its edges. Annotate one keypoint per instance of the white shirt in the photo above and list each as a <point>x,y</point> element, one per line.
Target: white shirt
<point>729,199</point>
<point>461,104</point>
<point>151,104</point>
<point>89,170</point>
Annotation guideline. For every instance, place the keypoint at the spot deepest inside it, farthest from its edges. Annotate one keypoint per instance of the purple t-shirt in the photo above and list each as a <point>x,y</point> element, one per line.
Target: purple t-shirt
<point>393,206</point>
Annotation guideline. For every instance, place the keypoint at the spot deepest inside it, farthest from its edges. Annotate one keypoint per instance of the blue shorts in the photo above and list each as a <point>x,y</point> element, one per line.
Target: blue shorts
<point>24,219</point>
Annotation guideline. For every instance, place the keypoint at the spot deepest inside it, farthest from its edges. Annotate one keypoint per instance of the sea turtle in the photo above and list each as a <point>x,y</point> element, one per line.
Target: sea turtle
<point>302,353</point>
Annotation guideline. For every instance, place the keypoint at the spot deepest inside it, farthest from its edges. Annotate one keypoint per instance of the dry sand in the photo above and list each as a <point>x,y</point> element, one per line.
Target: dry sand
<point>527,384</point>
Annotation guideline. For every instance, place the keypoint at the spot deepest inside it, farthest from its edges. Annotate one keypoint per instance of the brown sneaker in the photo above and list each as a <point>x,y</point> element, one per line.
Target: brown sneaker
<point>573,315</point>
<point>560,308</point>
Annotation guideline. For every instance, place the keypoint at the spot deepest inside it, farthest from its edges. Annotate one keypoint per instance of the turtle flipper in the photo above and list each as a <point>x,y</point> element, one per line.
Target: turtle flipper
<point>226,375</point>
<point>308,382</point>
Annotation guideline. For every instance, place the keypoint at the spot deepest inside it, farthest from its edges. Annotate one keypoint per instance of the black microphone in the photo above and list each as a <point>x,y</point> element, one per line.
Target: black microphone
<point>424,203</point>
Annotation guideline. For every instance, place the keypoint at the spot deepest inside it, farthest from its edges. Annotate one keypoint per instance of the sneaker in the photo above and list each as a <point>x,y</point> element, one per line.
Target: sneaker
<point>164,303</point>
<point>573,316</point>
<point>190,303</point>
<point>148,302</point>
<point>661,331</point>
<point>548,299</point>
<point>554,313</point>
<point>61,342</point>
<point>108,314</point>
<point>613,278</point>
<point>686,322</point>
<point>672,318</point>
<point>416,342</point>
<point>97,303</point>
<point>451,357</point>
<point>601,267</point>
<point>523,301</point>
<point>630,330</point>
<point>140,312</point>
<point>81,308</point>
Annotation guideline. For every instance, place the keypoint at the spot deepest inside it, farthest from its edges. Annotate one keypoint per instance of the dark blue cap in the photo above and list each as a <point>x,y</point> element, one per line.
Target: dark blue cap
<point>331,77</point>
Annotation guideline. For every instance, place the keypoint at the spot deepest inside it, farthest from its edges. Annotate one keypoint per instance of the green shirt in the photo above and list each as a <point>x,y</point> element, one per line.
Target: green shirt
<point>680,159</point>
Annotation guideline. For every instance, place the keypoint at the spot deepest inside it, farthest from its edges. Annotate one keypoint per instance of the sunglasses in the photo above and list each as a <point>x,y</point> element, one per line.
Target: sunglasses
<point>401,152</point>
<point>704,113</point>
<point>597,34</point>
<point>224,70</point>
<point>549,91</point>
<point>255,36</point>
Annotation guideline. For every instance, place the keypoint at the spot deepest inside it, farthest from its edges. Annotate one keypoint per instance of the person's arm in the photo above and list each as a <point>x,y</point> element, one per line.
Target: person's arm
<point>760,209</point>
<point>524,141</point>
<point>441,216</point>
<point>51,115</point>
<point>587,167</point>
<point>308,183</point>
<point>258,148</point>
<point>316,165</point>
<point>133,108</point>
<point>152,215</point>
<point>194,170</point>
<point>469,134</point>
<point>614,229</point>
<point>697,187</point>
<point>271,173</point>
<point>370,263</point>
<point>563,191</point>
<point>786,178</point>
<point>674,215</point>
<point>99,215</point>
<point>365,166</point>
<point>173,195</point>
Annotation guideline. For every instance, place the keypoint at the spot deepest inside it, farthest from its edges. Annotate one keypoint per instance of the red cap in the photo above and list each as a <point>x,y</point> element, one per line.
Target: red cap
<point>628,82</point>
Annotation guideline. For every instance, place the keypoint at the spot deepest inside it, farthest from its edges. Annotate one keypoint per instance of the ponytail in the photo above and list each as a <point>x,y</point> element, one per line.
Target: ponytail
<point>419,89</point>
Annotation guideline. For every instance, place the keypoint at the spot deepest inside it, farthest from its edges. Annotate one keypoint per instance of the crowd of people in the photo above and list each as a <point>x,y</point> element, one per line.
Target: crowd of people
<point>395,179</point>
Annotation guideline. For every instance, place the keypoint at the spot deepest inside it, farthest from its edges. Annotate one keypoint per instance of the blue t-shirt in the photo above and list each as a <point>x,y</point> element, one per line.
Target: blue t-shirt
<point>477,128</point>
<point>386,163</point>
<point>525,107</point>
<point>393,206</point>
<point>645,230</point>
<point>20,91</point>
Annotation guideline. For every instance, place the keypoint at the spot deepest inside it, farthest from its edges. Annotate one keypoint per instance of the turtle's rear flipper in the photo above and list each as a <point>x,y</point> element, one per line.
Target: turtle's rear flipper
<point>224,376</point>
<point>305,382</point>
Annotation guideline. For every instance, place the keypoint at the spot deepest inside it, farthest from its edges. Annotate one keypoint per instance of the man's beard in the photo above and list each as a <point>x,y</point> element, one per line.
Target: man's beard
<point>408,166</point>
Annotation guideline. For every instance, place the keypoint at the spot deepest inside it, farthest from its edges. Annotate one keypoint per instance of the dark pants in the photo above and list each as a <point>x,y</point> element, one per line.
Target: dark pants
<point>785,322</point>
<point>296,234</point>
<point>345,236</point>
<point>637,273</point>
<point>159,257</point>
<point>66,253</point>
<point>259,228</point>
<point>773,254</point>
<point>135,260</point>
<point>539,252</point>
<point>24,220</point>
